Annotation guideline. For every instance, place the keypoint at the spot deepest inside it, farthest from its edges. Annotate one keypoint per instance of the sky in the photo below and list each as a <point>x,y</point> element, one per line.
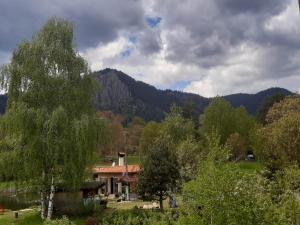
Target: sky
<point>207,47</point>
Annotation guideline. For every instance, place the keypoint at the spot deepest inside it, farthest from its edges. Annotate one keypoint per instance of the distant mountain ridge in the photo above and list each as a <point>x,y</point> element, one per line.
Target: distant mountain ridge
<point>252,102</point>
<point>124,95</point>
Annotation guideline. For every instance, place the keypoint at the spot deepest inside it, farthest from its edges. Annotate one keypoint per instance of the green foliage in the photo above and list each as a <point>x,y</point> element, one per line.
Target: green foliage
<point>149,134</point>
<point>219,117</point>
<point>256,141</point>
<point>140,217</point>
<point>280,109</point>
<point>237,145</point>
<point>7,168</point>
<point>189,112</point>
<point>176,126</point>
<point>266,105</point>
<point>50,111</point>
<point>189,152</point>
<point>222,118</point>
<point>278,143</point>
<point>63,221</point>
<point>160,170</point>
<point>243,122</point>
<point>221,193</point>
<point>224,194</point>
<point>284,191</point>
<point>180,133</point>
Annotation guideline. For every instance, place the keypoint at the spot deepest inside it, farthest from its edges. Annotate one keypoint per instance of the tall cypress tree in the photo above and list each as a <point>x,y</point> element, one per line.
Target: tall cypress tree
<point>50,111</point>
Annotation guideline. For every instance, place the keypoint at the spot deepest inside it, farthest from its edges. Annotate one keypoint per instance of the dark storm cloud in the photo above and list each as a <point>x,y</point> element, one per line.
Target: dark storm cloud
<point>150,42</point>
<point>252,6</point>
<point>95,21</point>
<point>226,42</point>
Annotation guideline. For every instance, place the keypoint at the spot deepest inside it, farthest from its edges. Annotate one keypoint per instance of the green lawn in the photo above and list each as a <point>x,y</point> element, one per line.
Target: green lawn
<point>249,166</point>
<point>25,218</point>
<point>132,159</point>
<point>31,217</point>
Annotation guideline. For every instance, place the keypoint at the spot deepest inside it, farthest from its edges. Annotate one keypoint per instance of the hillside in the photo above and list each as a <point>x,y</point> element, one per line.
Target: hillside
<point>253,101</point>
<point>124,95</point>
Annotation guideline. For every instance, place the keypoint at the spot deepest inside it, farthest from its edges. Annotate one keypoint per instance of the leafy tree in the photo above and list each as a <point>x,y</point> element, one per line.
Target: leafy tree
<point>160,171</point>
<point>278,143</point>
<point>266,105</point>
<point>279,109</point>
<point>219,117</point>
<point>222,118</point>
<point>221,193</point>
<point>116,134</point>
<point>237,145</point>
<point>256,141</point>
<point>189,112</point>
<point>281,142</point>
<point>243,122</point>
<point>149,134</point>
<point>189,152</point>
<point>176,126</point>
<point>50,111</point>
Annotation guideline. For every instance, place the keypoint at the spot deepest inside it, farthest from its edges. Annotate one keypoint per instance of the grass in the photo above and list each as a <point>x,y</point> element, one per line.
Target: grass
<point>28,217</point>
<point>32,217</point>
<point>132,159</point>
<point>249,166</point>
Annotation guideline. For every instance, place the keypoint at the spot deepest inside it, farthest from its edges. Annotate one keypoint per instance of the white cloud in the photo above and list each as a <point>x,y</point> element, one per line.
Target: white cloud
<point>216,46</point>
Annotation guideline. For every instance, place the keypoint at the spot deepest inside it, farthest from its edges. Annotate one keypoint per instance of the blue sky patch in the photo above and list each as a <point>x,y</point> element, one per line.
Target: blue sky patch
<point>153,21</point>
<point>180,85</point>
<point>126,53</point>
<point>133,39</point>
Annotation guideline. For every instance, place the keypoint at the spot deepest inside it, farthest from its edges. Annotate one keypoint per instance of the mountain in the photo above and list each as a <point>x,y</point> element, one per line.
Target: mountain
<point>122,94</point>
<point>253,101</point>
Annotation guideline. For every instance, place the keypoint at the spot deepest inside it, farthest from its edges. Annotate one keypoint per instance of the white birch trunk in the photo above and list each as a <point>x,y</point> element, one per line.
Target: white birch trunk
<point>43,198</point>
<point>51,196</point>
<point>43,205</point>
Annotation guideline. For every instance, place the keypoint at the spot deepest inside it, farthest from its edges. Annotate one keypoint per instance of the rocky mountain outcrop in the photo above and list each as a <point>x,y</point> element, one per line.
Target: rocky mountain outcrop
<point>124,95</point>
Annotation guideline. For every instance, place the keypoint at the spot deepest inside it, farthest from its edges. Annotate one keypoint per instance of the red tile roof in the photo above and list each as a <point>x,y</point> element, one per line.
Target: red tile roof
<point>117,169</point>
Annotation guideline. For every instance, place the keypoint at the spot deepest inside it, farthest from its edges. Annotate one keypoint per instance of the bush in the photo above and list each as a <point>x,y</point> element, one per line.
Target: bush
<point>140,217</point>
<point>63,221</point>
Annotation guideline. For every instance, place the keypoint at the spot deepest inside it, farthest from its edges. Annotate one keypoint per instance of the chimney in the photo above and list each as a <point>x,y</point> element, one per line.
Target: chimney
<point>121,158</point>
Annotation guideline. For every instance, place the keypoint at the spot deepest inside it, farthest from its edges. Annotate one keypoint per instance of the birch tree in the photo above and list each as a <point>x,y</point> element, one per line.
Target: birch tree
<point>50,111</point>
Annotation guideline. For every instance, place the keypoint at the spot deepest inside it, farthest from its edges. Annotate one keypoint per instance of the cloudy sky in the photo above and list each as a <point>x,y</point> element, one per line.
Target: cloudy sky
<point>208,47</point>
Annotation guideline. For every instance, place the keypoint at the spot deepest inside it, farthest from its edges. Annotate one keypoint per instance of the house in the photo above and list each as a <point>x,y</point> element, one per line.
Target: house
<point>112,180</point>
<point>118,179</point>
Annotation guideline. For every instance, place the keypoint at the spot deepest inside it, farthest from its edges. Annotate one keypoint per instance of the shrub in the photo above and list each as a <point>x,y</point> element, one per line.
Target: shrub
<point>63,221</point>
